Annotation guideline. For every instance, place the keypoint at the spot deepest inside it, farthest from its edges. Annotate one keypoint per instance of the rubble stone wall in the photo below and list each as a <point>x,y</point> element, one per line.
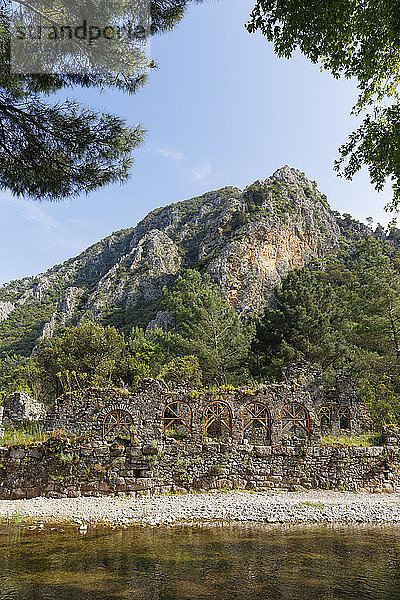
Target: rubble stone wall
<point>260,416</point>
<point>19,407</point>
<point>73,467</point>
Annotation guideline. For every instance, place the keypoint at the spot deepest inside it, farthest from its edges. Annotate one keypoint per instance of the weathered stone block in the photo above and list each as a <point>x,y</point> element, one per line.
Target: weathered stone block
<point>375,450</point>
<point>143,493</point>
<point>87,452</point>
<point>32,493</point>
<point>133,452</point>
<point>17,494</point>
<point>73,494</point>
<point>262,451</point>
<point>224,484</point>
<point>104,487</point>
<point>17,453</point>
<point>88,487</point>
<point>57,495</point>
<point>36,453</point>
<point>211,447</point>
<point>150,450</point>
<point>101,452</point>
<point>165,489</point>
<point>265,472</point>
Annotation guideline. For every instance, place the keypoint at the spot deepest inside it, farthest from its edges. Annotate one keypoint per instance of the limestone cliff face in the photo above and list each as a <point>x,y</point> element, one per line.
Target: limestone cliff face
<point>292,225</point>
<point>5,309</point>
<point>139,275</point>
<point>246,240</point>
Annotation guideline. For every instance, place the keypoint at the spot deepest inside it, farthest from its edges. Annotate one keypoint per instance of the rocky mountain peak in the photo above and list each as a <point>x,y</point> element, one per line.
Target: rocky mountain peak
<point>246,240</point>
<point>290,176</point>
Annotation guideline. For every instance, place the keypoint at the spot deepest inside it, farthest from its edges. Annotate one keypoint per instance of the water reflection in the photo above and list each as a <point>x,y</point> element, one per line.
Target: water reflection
<point>258,562</point>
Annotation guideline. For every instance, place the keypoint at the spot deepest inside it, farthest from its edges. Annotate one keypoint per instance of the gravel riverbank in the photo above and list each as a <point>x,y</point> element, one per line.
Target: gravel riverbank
<point>265,507</point>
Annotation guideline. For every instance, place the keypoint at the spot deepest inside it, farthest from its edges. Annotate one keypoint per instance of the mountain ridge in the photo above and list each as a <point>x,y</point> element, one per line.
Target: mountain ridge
<point>246,240</point>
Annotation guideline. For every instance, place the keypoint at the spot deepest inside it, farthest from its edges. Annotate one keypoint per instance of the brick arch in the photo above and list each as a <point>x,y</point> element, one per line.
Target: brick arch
<point>217,420</point>
<point>295,418</point>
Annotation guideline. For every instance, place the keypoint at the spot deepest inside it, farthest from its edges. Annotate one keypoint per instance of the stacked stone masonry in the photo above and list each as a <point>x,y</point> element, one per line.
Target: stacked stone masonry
<point>161,440</point>
<point>21,407</point>
<point>64,468</point>
<point>300,408</point>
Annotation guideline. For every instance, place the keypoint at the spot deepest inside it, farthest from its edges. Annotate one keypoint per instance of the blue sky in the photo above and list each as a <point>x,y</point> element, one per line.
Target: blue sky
<point>221,110</point>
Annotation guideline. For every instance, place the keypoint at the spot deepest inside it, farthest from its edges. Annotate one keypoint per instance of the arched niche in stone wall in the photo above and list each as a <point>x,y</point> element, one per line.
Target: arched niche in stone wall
<point>295,420</point>
<point>256,423</point>
<point>117,423</point>
<point>325,418</point>
<point>217,420</point>
<point>344,418</point>
<point>177,419</point>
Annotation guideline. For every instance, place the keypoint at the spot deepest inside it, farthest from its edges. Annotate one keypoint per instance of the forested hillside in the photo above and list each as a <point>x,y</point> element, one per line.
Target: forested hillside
<point>226,288</point>
<point>247,241</point>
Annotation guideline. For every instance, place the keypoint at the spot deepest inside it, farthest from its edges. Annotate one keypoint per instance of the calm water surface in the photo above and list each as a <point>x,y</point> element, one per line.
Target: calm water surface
<point>271,563</point>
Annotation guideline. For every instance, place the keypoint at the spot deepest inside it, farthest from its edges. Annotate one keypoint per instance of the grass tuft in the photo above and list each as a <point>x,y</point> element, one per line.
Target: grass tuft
<point>365,439</point>
<point>25,433</point>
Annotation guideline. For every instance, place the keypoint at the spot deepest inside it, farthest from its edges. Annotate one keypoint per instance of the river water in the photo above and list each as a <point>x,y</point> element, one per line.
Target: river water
<point>239,562</point>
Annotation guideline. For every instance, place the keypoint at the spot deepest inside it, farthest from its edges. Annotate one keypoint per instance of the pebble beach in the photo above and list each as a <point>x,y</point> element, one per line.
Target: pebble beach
<point>225,507</point>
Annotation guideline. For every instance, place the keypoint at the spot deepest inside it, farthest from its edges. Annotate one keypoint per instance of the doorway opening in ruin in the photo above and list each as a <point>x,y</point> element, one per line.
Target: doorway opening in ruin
<point>217,419</point>
<point>118,425</point>
<point>344,418</point>
<point>295,420</point>
<point>325,417</point>
<point>177,420</point>
<point>256,423</point>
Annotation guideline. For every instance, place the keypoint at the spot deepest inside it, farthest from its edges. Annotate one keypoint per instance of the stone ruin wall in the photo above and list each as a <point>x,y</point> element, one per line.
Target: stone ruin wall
<point>69,468</point>
<point>300,408</point>
<point>240,416</point>
<point>146,453</point>
<point>20,407</point>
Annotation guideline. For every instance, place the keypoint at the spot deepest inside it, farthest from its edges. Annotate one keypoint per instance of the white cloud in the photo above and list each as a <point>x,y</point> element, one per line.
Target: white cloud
<point>172,154</point>
<point>197,172</point>
<point>201,171</point>
<point>35,213</point>
<point>30,211</point>
<point>38,225</point>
